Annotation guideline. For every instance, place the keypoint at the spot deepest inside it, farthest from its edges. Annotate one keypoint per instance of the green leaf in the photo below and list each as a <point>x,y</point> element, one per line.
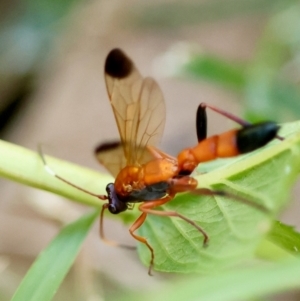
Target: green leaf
<point>235,229</point>
<point>271,89</point>
<point>48,271</point>
<point>267,250</point>
<point>286,237</point>
<point>186,60</point>
<point>216,70</point>
<point>25,166</point>
<point>233,285</point>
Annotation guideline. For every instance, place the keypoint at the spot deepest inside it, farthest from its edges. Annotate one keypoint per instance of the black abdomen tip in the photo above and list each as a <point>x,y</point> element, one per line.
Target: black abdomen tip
<point>117,64</point>
<point>255,136</point>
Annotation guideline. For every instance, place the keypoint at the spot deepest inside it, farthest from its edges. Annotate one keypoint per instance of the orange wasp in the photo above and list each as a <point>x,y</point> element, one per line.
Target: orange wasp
<point>144,174</point>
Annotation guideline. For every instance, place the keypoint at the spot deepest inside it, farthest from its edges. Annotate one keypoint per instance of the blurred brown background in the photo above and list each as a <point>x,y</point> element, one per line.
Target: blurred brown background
<point>53,90</point>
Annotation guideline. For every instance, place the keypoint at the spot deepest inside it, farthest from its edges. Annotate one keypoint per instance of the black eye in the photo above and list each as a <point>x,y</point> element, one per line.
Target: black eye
<point>109,188</point>
<point>112,208</point>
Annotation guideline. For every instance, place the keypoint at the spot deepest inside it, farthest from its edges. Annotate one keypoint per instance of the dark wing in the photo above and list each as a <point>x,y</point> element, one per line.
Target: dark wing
<point>138,106</point>
<point>111,155</point>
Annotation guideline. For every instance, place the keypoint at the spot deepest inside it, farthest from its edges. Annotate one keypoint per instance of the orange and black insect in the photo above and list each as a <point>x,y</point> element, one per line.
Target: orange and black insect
<point>143,173</point>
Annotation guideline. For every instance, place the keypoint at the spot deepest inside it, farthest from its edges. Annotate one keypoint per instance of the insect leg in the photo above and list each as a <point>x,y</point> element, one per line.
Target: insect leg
<point>147,208</point>
<point>141,239</point>
<point>201,122</point>
<point>101,197</point>
<point>210,192</point>
<point>101,231</point>
<point>182,184</point>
